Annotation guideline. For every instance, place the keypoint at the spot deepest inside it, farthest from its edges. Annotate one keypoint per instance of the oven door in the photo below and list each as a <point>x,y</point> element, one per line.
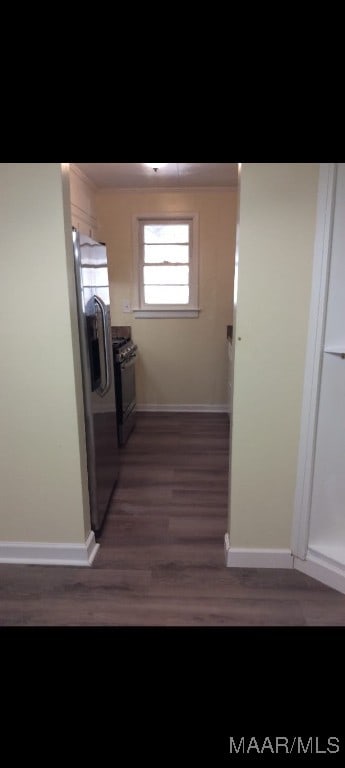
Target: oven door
<point>128,386</point>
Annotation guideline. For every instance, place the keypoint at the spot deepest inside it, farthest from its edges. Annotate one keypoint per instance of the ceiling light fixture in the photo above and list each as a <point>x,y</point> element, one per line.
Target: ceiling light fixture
<point>155,166</point>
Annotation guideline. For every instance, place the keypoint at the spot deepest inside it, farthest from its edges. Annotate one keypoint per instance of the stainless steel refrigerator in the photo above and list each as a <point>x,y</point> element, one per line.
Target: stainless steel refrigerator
<point>93,299</point>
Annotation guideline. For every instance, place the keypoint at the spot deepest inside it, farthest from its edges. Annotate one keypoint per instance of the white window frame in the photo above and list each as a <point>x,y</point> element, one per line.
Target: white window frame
<point>142,310</point>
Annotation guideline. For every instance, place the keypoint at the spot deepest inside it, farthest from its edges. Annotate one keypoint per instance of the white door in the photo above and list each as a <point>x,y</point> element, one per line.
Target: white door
<point>327,517</point>
<point>319,526</point>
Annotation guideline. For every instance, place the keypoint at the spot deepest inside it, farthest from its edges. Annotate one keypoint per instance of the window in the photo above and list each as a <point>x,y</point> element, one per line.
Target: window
<point>167,266</point>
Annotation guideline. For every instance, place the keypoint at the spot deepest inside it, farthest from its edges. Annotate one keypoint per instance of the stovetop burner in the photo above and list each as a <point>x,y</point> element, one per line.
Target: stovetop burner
<point>123,348</point>
<point>119,341</point>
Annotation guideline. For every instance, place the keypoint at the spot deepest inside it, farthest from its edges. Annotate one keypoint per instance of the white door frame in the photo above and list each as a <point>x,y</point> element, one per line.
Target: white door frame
<point>312,374</point>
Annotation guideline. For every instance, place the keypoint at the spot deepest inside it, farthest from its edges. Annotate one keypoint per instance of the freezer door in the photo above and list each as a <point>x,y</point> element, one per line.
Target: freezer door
<point>98,375</point>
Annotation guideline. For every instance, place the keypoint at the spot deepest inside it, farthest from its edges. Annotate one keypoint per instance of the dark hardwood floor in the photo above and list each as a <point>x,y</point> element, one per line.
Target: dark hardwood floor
<point>161,560</point>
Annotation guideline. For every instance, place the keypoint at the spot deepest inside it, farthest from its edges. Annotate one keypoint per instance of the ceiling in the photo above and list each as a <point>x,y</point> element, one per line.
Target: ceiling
<point>172,175</point>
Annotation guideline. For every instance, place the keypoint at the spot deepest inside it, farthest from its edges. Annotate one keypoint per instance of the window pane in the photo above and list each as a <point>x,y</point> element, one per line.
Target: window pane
<point>166,275</point>
<point>155,254</point>
<point>166,233</point>
<point>166,294</point>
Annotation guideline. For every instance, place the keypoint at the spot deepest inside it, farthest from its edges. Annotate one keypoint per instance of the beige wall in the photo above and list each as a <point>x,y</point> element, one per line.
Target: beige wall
<point>181,361</point>
<point>276,239</point>
<point>43,481</point>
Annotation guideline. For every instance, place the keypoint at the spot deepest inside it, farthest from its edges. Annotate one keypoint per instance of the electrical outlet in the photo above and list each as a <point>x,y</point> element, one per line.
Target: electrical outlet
<point>126,307</point>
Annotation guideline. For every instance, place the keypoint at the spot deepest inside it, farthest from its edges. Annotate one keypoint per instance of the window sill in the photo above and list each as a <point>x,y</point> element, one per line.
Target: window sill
<point>161,313</point>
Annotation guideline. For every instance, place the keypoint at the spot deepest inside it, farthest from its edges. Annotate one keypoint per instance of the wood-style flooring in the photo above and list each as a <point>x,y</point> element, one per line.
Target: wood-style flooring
<point>161,559</point>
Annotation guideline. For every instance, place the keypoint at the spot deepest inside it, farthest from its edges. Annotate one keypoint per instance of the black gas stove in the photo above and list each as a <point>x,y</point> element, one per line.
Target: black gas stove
<point>124,353</point>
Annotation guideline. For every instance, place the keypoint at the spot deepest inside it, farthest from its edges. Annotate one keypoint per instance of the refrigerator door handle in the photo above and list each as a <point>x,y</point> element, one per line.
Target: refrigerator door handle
<point>102,390</point>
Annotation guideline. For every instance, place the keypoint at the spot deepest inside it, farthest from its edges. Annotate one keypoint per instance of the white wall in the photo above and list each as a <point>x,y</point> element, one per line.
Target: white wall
<point>181,361</point>
<point>276,239</point>
<point>43,480</point>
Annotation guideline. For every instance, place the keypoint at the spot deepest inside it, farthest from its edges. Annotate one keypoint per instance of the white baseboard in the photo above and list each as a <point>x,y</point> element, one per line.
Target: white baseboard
<point>316,566</point>
<point>319,568</point>
<point>223,408</point>
<point>241,557</point>
<point>41,553</point>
